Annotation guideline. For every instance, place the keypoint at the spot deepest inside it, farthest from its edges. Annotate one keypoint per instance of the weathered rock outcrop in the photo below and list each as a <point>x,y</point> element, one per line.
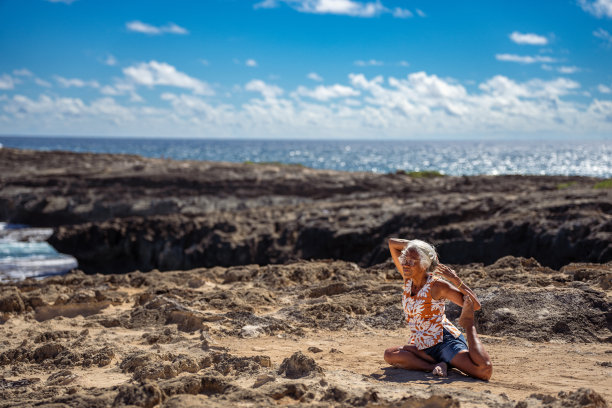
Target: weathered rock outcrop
<point>117,213</point>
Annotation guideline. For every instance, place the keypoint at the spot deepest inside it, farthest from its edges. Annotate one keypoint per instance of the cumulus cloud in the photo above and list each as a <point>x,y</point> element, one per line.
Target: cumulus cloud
<point>314,76</point>
<point>110,60</point>
<point>414,105</point>
<point>339,7</point>
<point>22,72</point>
<point>6,82</point>
<point>140,27</point>
<point>524,59</point>
<point>604,35</point>
<point>155,73</point>
<point>403,64</point>
<point>604,89</point>
<point>196,108</point>
<point>250,63</point>
<point>568,69</point>
<point>325,93</point>
<point>22,106</point>
<point>402,13</point>
<point>421,13</point>
<point>42,82</point>
<point>266,90</point>
<point>75,82</point>
<point>369,63</point>
<point>598,8</point>
<point>528,38</point>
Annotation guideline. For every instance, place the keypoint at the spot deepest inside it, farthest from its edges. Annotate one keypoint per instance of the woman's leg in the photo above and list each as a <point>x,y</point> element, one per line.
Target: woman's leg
<point>475,362</point>
<point>411,358</point>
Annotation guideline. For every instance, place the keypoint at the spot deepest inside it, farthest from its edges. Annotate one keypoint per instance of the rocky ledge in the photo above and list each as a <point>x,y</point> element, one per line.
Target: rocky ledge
<point>119,213</point>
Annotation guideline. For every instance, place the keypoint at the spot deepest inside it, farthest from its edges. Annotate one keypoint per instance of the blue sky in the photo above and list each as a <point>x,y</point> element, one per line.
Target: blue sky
<point>307,68</point>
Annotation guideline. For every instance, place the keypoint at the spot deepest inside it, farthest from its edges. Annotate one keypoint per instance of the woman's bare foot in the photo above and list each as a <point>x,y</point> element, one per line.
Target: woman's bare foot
<point>467,313</point>
<point>440,370</point>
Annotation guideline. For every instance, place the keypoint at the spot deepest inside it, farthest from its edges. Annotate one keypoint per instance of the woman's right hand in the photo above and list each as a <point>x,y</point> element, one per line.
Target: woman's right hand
<point>448,273</point>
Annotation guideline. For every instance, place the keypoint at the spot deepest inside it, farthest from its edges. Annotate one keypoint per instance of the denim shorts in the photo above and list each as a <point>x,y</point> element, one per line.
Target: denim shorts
<point>448,348</point>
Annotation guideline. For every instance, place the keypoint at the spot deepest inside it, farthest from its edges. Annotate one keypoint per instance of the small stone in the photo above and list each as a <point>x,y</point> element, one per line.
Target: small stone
<point>298,365</point>
<point>314,349</point>
<point>263,379</point>
<point>250,332</point>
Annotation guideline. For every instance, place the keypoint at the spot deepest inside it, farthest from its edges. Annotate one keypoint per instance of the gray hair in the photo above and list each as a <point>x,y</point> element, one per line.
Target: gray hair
<point>427,254</point>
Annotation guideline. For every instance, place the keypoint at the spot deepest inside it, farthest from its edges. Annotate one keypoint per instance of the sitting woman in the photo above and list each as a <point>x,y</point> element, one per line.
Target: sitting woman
<point>435,342</point>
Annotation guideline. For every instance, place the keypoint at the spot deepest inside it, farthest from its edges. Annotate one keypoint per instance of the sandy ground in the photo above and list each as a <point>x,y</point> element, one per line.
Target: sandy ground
<point>521,368</point>
<point>221,337</point>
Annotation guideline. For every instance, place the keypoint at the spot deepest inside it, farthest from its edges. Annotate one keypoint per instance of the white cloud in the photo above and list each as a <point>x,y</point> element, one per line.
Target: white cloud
<point>403,64</point>
<point>535,88</point>
<point>599,8</point>
<point>266,90</point>
<point>314,76</point>
<point>110,60</point>
<point>204,62</point>
<point>156,73</point>
<point>421,13</point>
<point>174,29</point>
<point>75,82</point>
<point>524,59</point>
<point>140,27</point>
<point>122,87</point>
<point>6,82</point>
<point>369,63</point>
<point>603,35</point>
<point>402,13</point>
<point>62,1</point>
<point>604,89</point>
<point>528,38</point>
<point>338,7</point>
<point>568,69</point>
<point>325,93</point>
<point>42,82</point>
<point>194,107</point>
<point>342,7</point>
<point>415,105</point>
<point>22,72</point>
<point>266,4</point>
<point>250,63</point>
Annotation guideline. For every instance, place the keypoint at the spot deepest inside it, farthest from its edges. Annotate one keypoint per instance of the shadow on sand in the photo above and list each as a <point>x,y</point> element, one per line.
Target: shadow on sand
<point>399,375</point>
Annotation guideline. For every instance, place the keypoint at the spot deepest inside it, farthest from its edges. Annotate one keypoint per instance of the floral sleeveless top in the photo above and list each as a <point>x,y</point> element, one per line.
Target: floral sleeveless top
<point>425,316</point>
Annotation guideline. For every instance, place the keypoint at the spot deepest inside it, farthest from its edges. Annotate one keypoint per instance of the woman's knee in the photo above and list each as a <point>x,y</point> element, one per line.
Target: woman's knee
<point>390,354</point>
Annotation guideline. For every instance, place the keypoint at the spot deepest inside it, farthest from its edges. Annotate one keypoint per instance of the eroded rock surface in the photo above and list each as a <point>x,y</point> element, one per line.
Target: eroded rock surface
<point>159,342</point>
<point>119,213</point>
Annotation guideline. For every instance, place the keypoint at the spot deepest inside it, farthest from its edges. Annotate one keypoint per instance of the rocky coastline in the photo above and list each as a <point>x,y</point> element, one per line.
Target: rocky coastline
<point>218,284</point>
<point>119,213</point>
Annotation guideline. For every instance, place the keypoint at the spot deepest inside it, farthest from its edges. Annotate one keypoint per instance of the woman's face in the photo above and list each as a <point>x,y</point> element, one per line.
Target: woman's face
<point>412,263</point>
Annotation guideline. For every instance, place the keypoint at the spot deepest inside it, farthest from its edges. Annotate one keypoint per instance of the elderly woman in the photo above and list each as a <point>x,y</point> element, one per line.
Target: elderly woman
<point>435,342</point>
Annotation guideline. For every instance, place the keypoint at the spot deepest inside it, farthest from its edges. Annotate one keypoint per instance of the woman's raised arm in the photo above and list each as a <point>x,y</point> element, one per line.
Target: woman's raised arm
<point>454,294</point>
<point>396,245</point>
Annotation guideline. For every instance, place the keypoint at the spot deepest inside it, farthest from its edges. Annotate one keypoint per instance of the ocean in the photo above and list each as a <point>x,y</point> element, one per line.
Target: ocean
<point>24,252</point>
<point>584,158</point>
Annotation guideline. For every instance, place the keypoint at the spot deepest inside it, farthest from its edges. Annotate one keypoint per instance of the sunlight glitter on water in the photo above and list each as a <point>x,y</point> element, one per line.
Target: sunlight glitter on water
<point>448,157</point>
